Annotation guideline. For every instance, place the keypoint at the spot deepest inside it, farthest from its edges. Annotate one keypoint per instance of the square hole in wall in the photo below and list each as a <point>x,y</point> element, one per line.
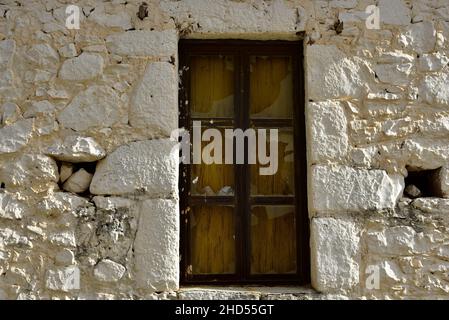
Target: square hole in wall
<point>422,183</point>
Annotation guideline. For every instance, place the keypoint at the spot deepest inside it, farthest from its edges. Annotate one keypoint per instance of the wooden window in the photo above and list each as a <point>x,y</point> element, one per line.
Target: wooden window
<point>238,226</point>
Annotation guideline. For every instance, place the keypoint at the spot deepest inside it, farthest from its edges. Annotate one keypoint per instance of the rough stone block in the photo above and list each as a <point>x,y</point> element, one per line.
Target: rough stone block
<point>154,104</point>
<point>328,139</point>
<point>84,67</point>
<point>144,43</point>
<point>156,248</point>
<point>335,252</point>
<point>147,167</point>
<point>344,189</point>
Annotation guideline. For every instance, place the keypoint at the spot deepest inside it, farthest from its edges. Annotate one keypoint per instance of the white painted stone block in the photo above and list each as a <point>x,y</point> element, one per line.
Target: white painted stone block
<point>84,67</point>
<point>328,138</point>
<point>156,248</point>
<point>147,167</point>
<point>345,189</point>
<point>154,103</point>
<point>335,252</point>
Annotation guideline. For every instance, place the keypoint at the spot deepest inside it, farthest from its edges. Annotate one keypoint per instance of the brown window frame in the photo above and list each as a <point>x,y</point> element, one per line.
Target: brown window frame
<point>242,50</point>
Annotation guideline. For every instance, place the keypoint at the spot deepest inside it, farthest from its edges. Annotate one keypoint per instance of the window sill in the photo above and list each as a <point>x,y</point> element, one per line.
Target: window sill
<point>248,293</point>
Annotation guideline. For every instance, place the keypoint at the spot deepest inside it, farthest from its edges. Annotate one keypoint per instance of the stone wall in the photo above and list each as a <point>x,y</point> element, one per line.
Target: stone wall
<point>88,180</point>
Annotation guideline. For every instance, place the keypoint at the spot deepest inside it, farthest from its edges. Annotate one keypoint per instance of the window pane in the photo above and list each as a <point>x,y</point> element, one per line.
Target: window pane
<point>273,240</point>
<point>271,87</point>
<point>212,235</point>
<point>282,181</point>
<point>212,86</point>
<point>212,179</point>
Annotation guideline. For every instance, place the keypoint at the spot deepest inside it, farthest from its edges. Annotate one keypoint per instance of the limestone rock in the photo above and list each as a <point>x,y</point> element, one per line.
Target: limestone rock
<point>7,50</point>
<point>9,113</point>
<point>85,66</point>
<point>328,130</point>
<point>63,279</point>
<point>9,237</point>
<point>396,74</point>
<point>78,182</point>
<point>419,37</point>
<point>44,55</point>
<point>434,89</point>
<point>65,257</point>
<point>333,74</point>
<point>156,246</point>
<point>39,108</point>
<point>394,12</point>
<point>65,171</point>
<point>140,165</point>
<point>28,171</point>
<point>432,62</point>
<point>77,149</point>
<point>109,271</point>
<point>11,208</point>
<point>58,203</point>
<point>426,153</point>
<point>66,238</point>
<point>335,254</point>
<point>96,107</point>
<point>344,189</point>
<point>154,101</point>
<point>143,43</point>
<point>120,19</point>
<point>68,51</point>
<point>15,136</point>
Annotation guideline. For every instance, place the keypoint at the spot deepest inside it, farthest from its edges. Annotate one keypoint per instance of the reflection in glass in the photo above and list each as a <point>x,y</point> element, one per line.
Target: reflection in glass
<point>271,87</point>
<point>273,240</point>
<point>282,182</point>
<point>212,86</point>
<point>212,236</point>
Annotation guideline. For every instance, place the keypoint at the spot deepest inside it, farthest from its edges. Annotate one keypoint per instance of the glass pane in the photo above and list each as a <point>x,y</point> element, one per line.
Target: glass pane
<point>212,179</point>
<point>282,181</point>
<point>271,87</point>
<point>273,240</point>
<point>212,86</point>
<point>212,238</point>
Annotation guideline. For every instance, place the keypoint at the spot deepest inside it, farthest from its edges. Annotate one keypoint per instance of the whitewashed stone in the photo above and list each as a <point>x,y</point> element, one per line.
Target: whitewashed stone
<point>11,208</point>
<point>112,203</point>
<point>9,237</point>
<point>156,248</point>
<point>58,203</point>
<point>432,62</point>
<point>333,74</point>
<point>66,239</point>
<point>426,153</point>
<point>140,165</point>
<point>396,240</point>
<point>335,254</point>
<point>434,89</point>
<point>29,170</point>
<point>217,294</point>
<point>84,67</point>
<point>65,257</point>
<point>344,189</point>
<point>77,149</point>
<point>120,19</point>
<point>218,18</point>
<point>9,113</point>
<point>328,130</point>
<point>68,51</point>
<point>15,136</point>
<point>78,182</point>
<point>143,43</point>
<point>109,271</point>
<point>419,37</point>
<point>432,205</point>
<point>43,55</point>
<point>7,50</point>
<point>394,12</point>
<point>396,74</point>
<point>64,279</point>
<point>65,171</point>
<point>96,107</point>
<point>346,4</point>
<point>154,102</point>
